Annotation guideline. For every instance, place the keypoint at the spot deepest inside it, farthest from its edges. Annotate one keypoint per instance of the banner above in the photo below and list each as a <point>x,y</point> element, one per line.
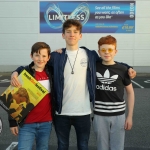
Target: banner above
<point>95,16</point>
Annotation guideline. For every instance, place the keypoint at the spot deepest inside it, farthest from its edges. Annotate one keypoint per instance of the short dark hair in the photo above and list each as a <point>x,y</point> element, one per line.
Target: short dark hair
<point>107,40</point>
<point>38,46</point>
<point>71,22</point>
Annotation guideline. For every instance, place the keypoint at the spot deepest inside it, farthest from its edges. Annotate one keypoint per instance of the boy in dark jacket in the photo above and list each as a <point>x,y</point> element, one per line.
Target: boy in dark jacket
<point>38,123</point>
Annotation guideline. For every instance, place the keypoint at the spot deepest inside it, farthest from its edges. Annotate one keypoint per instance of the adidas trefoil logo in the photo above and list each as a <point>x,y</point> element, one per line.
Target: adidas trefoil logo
<point>106,79</point>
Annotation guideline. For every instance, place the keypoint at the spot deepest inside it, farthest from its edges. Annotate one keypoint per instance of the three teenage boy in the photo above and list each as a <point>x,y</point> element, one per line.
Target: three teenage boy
<point>74,86</point>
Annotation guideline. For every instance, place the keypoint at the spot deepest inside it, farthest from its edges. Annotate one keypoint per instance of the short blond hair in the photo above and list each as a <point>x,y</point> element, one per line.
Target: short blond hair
<point>23,93</point>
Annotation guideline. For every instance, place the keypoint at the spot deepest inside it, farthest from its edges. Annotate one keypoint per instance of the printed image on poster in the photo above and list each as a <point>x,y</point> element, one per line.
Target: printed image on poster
<point>19,101</point>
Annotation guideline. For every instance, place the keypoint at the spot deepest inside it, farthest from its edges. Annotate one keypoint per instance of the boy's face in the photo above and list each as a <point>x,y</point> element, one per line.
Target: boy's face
<point>107,53</point>
<point>72,36</point>
<point>40,59</point>
<point>19,99</point>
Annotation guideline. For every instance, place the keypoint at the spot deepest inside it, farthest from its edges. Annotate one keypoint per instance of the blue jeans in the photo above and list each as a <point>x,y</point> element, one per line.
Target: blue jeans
<point>35,131</point>
<point>82,126</point>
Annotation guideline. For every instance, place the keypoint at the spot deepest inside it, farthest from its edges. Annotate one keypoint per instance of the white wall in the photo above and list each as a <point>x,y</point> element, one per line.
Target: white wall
<point>19,30</point>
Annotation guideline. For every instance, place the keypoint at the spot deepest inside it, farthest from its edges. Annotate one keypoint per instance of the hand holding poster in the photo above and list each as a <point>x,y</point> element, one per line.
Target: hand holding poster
<point>19,101</point>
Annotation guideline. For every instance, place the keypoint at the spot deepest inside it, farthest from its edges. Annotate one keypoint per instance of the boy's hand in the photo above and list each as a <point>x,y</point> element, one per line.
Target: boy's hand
<point>128,123</point>
<point>131,73</point>
<point>58,51</point>
<point>14,80</point>
<point>14,130</point>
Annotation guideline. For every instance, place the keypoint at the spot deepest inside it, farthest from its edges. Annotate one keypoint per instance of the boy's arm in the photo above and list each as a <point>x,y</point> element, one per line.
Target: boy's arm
<point>13,126</point>
<point>130,103</point>
<point>14,76</point>
<point>131,71</point>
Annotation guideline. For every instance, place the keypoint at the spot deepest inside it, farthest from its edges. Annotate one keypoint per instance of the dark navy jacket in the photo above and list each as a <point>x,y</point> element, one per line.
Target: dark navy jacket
<point>58,62</point>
